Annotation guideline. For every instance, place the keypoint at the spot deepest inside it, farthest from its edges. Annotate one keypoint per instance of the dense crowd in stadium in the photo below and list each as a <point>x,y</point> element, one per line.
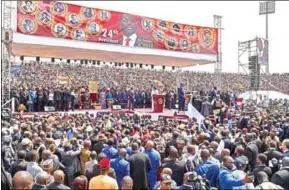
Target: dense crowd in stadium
<point>242,147</point>
<point>106,125</point>
<point>36,84</point>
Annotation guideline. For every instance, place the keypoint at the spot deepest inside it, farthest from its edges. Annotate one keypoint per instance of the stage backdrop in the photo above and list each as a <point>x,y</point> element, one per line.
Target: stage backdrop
<point>61,20</point>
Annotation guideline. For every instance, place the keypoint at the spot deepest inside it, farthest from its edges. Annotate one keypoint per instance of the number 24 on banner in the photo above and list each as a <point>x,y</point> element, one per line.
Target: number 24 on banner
<point>108,33</point>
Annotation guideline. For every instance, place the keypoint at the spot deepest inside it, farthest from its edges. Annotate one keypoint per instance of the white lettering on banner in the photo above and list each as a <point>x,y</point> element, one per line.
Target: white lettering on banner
<point>107,40</point>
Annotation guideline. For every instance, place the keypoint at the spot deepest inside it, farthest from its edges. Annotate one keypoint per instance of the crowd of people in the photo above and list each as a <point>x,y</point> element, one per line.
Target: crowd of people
<point>244,147</point>
<point>36,85</point>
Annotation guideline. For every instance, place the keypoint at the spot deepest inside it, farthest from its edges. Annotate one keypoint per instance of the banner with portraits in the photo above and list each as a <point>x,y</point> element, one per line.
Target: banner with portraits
<point>68,21</point>
<point>263,50</point>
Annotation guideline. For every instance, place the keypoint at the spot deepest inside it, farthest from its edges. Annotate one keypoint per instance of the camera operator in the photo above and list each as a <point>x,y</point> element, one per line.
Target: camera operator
<point>188,181</point>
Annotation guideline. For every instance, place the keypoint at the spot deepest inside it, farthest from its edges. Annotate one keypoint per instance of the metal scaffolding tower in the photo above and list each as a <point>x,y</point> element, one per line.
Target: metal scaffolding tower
<point>246,49</point>
<point>218,24</point>
<point>6,40</point>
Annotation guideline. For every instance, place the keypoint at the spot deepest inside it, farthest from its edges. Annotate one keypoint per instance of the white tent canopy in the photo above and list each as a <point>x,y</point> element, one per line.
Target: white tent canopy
<point>271,95</point>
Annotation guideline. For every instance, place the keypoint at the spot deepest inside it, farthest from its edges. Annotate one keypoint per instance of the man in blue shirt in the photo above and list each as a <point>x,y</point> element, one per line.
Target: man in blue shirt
<point>155,163</point>
<point>110,151</point>
<point>226,178</point>
<point>208,168</point>
<point>120,166</point>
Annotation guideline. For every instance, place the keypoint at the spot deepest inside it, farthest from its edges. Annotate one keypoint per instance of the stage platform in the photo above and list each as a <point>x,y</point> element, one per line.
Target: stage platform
<point>141,111</point>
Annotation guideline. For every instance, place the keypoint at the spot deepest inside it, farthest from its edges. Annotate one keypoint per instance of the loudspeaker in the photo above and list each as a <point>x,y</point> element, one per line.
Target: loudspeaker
<point>52,60</point>
<point>49,108</point>
<point>116,107</point>
<point>21,57</point>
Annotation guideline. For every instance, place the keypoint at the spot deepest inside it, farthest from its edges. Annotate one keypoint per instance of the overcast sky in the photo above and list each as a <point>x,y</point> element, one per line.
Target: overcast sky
<point>241,22</point>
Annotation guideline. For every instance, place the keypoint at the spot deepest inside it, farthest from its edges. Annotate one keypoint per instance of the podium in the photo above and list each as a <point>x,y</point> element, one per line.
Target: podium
<point>158,103</point>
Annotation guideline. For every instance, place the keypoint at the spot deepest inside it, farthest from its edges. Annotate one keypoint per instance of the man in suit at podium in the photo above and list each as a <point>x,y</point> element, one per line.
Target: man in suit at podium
<point>181,95</point>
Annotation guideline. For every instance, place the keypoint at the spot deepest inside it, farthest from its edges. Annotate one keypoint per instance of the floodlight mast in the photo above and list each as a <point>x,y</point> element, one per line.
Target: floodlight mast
<point>266,8</point>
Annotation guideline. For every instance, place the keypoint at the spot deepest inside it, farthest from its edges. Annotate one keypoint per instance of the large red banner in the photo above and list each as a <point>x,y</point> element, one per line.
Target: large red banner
<point>62,20</point>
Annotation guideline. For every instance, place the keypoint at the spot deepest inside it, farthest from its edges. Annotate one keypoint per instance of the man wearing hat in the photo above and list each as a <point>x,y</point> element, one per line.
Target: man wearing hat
<point>48,166</point>
<point>103,181</point>
<point>7,152</point>
<point>240,164</point>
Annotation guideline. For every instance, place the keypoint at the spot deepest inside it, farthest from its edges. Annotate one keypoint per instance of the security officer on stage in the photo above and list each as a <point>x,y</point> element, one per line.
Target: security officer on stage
<point>181,95</point>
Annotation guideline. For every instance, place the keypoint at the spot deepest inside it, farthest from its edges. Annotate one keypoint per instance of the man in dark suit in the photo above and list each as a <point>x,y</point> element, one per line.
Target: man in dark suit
<point>178,167</point>
<point>244,121</point>
<point>58,181</point>
<point>281,177</point>
<point>57,99</point>
<point>272,153</point>
<point>181,96</point>
<point>206,108</point>
<point>139,167</point>
<point>261,161</point>
<point>251,151</point>
<point>130,38</point>
<point>197,103</point>
<point>131,99</point>
<point>20,164</point>
<point>66,99</point>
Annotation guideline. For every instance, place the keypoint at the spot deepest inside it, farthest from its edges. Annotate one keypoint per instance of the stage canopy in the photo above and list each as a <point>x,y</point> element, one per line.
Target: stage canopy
<point>78,50</point>
<point>272,95</point>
